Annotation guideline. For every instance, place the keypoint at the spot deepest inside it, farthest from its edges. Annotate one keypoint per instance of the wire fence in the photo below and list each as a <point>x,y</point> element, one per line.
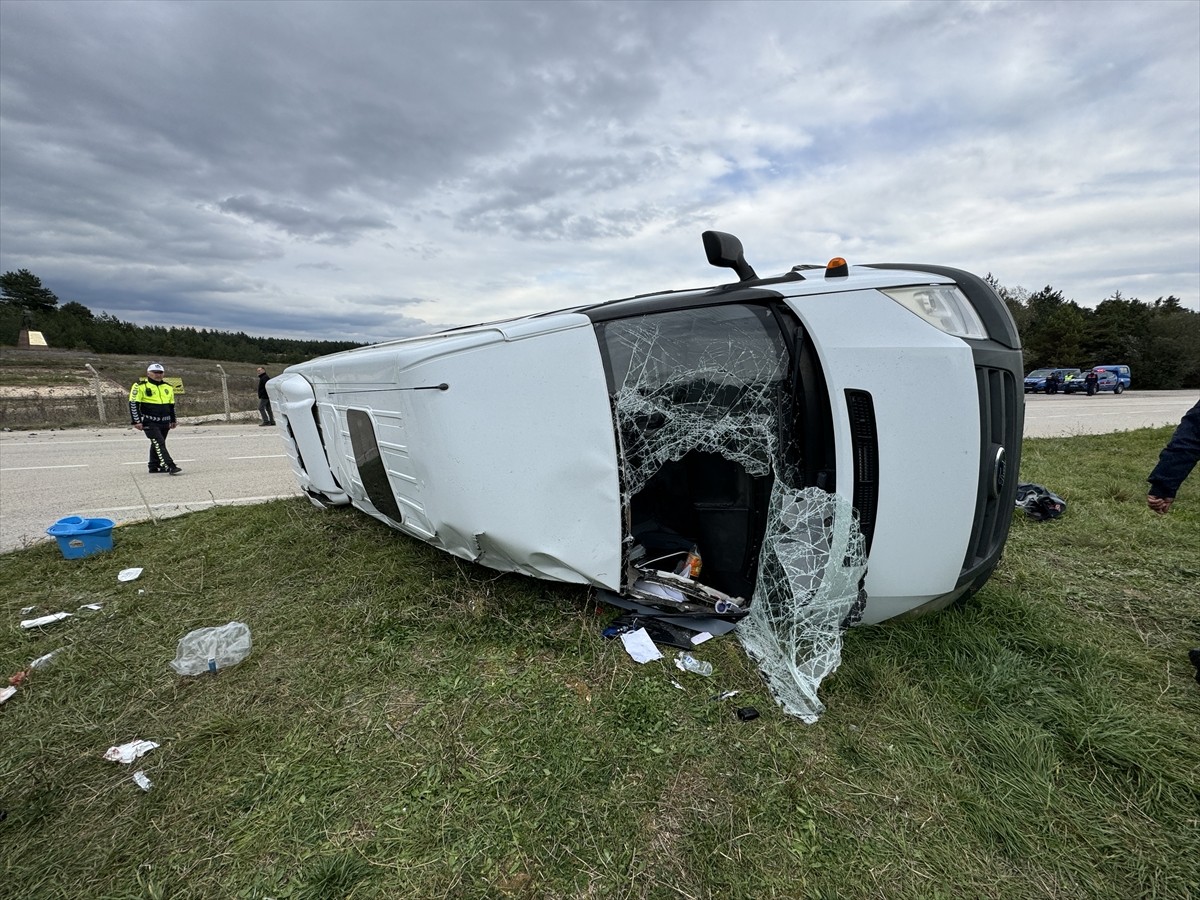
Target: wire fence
<point>73,412</point>
<point>201,392</point>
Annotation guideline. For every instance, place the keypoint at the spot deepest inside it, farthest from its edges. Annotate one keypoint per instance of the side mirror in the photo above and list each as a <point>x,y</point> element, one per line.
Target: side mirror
<point>725,251</point>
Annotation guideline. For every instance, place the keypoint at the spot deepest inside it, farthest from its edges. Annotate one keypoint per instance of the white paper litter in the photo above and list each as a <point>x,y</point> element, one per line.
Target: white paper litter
<point>142,781</point>
<point>700,638</point>
<point>639,646</point>
<point>44,660</point>
<point>128,574</point>
<point>45,620</point>
<point>27,609</point>
<point>7,692</point>
<point>127,753</point>
<point>659,590</point>
<point>92,606</point>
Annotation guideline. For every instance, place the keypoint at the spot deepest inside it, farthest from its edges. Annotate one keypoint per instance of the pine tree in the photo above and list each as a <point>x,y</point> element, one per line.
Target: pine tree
<point>24,290</point>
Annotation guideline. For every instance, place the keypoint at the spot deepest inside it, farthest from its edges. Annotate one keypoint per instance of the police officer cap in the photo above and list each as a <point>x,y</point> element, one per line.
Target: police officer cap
<point>155,367</point>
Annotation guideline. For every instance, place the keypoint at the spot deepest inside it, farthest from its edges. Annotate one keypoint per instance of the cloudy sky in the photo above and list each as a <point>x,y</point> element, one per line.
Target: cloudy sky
<point>363,171</point>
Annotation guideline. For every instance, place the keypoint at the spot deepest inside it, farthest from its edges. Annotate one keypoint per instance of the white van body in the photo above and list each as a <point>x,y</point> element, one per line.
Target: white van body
<point>514,444</point>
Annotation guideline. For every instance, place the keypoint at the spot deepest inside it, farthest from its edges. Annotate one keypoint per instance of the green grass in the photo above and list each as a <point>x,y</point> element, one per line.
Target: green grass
<point>409,725</point>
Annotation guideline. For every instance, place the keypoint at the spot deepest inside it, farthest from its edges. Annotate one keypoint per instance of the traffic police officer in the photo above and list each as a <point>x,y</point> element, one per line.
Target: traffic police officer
<point>152,410</point>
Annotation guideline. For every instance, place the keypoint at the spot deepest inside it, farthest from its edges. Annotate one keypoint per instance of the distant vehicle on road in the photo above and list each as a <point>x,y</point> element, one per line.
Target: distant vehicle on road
<point>1122,373</point>
<point>1035,381</point>
<point>1108,381</point>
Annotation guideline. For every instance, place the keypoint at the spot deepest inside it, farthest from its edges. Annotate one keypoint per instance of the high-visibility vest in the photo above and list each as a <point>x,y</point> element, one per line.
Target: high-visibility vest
<point>145,395</point>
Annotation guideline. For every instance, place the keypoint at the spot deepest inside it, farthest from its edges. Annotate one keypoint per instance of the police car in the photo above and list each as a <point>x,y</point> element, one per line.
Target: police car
<point>576,445</point>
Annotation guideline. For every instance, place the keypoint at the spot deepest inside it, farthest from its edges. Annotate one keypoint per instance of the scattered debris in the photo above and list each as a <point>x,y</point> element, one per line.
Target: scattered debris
<point>128,574</point>
<point>1039,504</point>
<point>685,662</point>
<point>18,679</point>
<point>5,693</point>
<point>211,649</point>
<point>91,606</point>
<point>46,620</point>
<point>727,695</point>
<point>746,713</point>
<point>640,647</point>
<point>127,753</point>
<point>45,660</point>
<point>659,631</point>
<point>142,781</point>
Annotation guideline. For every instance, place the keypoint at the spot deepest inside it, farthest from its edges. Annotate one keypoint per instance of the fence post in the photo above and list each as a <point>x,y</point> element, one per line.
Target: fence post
<point>99,395</point>
<point>225,392</point>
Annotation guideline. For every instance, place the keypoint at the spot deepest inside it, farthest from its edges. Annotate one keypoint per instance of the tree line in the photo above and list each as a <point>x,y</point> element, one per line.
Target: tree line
<point>26,303</point>
<point>1159,341</point>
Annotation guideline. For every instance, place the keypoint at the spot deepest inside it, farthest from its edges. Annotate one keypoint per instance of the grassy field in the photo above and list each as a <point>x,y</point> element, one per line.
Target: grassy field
<point>410,726</point>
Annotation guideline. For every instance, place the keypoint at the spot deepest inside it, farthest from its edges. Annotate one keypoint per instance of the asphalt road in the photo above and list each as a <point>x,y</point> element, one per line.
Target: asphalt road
<point>1066,415</point>
<point>101,472</point>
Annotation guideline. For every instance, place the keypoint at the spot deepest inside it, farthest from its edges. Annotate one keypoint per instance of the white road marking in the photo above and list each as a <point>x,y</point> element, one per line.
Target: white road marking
<point>37,468</point>
<point>136,434</point>
<point>273,456</point>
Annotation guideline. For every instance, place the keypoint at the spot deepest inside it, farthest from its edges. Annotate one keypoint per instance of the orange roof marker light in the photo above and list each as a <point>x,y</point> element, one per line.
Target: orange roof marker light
<point>837,268</point>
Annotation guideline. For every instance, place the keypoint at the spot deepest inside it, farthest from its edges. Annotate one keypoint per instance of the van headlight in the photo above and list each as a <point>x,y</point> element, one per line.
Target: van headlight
<point>943,306</point>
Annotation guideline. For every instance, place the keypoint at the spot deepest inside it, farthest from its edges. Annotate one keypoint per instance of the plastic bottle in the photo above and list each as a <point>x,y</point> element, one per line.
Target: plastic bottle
<point>689,663</point>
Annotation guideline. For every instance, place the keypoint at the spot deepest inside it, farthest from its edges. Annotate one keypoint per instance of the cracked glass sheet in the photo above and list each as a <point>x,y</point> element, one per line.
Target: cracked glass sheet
<point>808,592</point>
<point>709,380</point>
<point>714,380</point>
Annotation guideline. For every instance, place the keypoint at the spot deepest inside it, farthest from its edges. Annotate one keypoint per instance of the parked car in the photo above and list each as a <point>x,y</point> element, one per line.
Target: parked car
<point>1123,376</point>
<point>576,445</point>
<point>1035,381</point>
<point>1108,381</point>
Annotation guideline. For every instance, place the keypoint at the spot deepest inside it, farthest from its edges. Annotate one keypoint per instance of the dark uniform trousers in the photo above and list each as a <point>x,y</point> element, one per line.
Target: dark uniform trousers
<point>157,431</point>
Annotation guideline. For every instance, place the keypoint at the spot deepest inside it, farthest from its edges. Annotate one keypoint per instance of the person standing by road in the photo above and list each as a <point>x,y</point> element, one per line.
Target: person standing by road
<point>152,411</point>
<point>1052,383</point>
<point>264,401</point>
<point>1090,381</point>
<point>1175,462</point>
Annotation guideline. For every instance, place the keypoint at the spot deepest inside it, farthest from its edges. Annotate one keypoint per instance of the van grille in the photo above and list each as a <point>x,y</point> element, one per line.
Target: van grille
<point>1000,412</point>
<point>864,441</point>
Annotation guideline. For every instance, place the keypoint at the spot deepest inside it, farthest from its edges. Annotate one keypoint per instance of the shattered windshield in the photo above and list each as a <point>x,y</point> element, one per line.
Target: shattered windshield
<point>706,379</point>
<point>702,400</point>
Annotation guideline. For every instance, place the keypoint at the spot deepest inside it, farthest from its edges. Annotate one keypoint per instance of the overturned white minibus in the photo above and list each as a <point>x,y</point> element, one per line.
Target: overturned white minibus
<point>590,444</point>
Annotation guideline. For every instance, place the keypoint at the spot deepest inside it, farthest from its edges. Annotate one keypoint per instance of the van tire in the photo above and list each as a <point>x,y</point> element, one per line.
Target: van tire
<point>1119,388</point>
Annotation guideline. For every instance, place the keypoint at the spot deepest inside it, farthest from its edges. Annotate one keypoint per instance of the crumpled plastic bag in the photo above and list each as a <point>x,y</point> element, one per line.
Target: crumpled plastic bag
<point>211,649</point>
<point>128,752</point>
<point>1039,503</point>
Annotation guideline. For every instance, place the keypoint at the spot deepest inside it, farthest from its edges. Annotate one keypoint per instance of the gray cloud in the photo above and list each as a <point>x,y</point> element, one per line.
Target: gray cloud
<point>304,223</point>
<point>291,169</point>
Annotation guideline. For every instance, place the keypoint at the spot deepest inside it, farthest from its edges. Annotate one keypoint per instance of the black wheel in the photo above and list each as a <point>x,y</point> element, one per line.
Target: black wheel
<point>1119,388</point>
